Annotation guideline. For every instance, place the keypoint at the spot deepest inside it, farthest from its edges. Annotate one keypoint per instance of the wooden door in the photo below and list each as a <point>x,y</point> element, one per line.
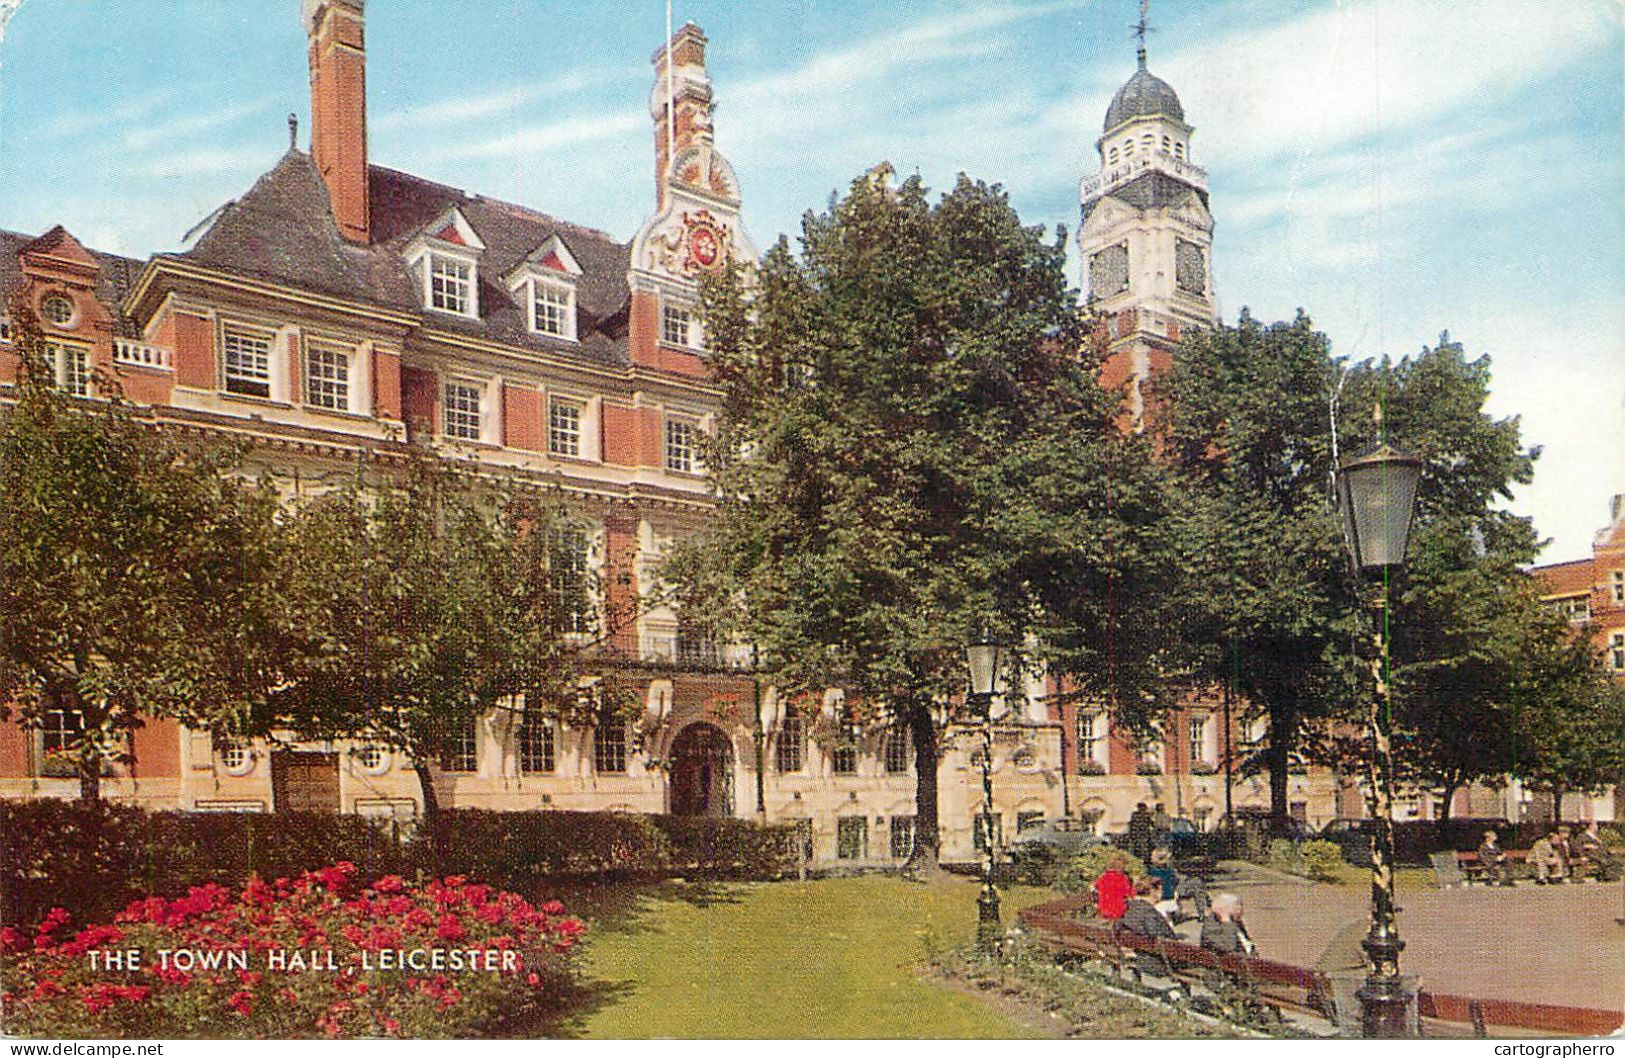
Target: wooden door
<point>304,781</point>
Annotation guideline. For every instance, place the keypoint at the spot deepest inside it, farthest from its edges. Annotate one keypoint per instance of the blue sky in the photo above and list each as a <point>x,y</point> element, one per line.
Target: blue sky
<point>1396,167</point>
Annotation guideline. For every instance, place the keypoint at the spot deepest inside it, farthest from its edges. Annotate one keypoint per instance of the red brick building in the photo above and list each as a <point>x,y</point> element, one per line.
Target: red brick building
<point>339,307</point>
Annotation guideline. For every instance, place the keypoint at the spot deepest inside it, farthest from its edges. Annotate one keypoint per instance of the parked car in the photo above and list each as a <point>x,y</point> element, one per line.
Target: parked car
<point>1066,836</point>
<point>1353,837</point>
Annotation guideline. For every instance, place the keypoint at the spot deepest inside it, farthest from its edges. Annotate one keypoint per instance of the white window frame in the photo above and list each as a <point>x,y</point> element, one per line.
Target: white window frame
<point>432,259</point>
<point>540,727</point>
<point>248,333</point>
<point>567,310</point>
<point>70,367</point>
<point>693,338</point>
<point>1619,587</point>
<point>69,322</point>
<point>674,458</point>
<point>1196,738</point>
<point>482,415</point>
<point>316,348</point>
<point>1094,749</point>
<point>576,448</point>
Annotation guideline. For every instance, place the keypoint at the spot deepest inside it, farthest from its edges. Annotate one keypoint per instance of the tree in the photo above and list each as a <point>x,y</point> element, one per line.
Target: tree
<point>911,450</point>
<point>1570,722</point>
<point>1250,414</point>
<point>131,568</point>
<point>420,598</point>
<point>1265,604</point>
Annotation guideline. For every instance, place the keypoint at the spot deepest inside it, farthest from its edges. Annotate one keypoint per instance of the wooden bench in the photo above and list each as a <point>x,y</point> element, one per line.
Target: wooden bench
<point>1474,871</point>
<point>1057,926</point>
<point>1273,983</point>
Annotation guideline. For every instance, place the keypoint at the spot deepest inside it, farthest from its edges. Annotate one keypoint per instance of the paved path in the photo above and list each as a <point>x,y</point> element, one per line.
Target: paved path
<point>1557,944</point>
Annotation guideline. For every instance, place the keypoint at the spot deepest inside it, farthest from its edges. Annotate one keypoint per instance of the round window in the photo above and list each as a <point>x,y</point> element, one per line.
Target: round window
<point>57,310</point>
<point>373,759</point>
<point>237,760</point>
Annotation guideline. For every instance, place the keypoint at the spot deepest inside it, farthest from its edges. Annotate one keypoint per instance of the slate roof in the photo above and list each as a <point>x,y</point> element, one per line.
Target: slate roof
<point>118,274</point>
<point>1149,190</point>
<point>282,230</point>
<point>1145,94</point>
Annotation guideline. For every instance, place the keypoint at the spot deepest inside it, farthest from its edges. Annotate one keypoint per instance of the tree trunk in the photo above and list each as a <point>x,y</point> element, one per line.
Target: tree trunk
<point>90,776</point>
<point>1557,803</point>
<point>926,855</point>
<point>1279,755</point>
<point>431,803</point>
<point>1449,799</point>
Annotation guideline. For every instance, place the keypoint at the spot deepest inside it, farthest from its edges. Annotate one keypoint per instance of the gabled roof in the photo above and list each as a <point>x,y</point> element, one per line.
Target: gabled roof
<point>60,243</point>
<point>118,274</point>
<point>1565,578</point>
<point>282,230</point>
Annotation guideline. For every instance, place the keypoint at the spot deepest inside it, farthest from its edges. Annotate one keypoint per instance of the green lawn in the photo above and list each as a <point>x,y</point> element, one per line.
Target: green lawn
<point>824,959</point>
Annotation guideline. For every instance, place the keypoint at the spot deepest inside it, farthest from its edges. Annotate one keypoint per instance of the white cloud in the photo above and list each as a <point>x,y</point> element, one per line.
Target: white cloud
<point>533,139</point>
<point>505,100</point>
<point>206,161</point>
<point>95,119</point>
<point>1339,74</point>
<point>178,128</point>
<point>1579,420</point>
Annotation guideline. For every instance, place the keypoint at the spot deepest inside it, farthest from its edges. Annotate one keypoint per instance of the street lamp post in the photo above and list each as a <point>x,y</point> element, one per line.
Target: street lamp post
<point>1376,494</point>
<point>983,659</point>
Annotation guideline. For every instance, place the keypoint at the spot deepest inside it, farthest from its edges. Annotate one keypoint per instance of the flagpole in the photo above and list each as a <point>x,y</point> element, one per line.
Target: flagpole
<point>671,96</point>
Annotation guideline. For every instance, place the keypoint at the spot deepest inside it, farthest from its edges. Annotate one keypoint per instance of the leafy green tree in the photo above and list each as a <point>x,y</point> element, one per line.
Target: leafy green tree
<point>1266,604</point>
<point>1570,722</point>
<point>911,450</point>
<point>1250,433</point>
<point>132,566</point>
<point>419,599</point>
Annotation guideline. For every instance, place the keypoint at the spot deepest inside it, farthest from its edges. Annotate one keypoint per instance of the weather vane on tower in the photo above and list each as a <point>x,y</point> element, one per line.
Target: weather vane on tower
<point>1143,27</point>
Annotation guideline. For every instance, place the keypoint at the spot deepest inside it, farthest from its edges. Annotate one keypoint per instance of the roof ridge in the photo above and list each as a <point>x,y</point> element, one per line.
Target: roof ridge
<point>504,204</point>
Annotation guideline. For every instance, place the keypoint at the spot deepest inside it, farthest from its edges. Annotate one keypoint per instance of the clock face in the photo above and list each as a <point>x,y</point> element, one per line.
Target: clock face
<point>705,248</point>
<point>1108,272</point>
<point>1190,267</point>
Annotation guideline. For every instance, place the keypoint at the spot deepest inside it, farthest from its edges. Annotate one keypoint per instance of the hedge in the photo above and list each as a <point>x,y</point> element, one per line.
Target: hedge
<point>93,858</point>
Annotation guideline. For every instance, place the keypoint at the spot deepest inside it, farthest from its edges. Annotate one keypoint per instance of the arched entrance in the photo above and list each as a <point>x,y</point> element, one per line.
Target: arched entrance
<point>701,772</point>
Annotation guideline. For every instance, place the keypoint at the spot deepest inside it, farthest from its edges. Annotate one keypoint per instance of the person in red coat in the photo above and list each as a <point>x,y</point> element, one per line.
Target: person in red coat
<point>1113,889</point>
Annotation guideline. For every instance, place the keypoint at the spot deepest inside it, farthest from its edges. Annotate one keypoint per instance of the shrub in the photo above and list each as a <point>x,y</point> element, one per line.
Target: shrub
<point>1318,860</point>
<point>238,989</point>
<point>94,858</point>
<point>1079,875</point>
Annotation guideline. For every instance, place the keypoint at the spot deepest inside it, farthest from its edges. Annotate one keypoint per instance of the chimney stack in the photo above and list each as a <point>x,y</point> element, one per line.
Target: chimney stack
<point>338,109</point>
<point>688,91</point>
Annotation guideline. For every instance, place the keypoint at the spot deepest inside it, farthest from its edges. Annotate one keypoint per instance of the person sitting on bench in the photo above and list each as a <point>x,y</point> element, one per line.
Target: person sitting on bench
<point>1224,931</point>
<point>1590,850</point>
<point>1142,917</point>
<point>1546,862</point>
<point>1492,862</point>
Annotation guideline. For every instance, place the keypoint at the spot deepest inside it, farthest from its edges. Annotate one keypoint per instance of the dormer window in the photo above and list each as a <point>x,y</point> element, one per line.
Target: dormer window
<point>451,284</point>
<point>445,262</point>
<point>553,309</point>
<point>545,282</point>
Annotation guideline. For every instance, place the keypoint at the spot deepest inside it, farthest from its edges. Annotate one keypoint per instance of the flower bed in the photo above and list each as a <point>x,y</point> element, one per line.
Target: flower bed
<point>319,955</point>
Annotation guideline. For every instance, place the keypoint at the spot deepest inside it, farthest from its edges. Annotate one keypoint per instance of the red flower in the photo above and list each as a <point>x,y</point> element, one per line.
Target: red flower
<point>450,928</point>
<point>53,918</point>
<point>533,979</point>
<point>242,1002</point>
<point>553,907</point>
<point>12,940</point>
<point>389,883</point>
<point>454,881</point>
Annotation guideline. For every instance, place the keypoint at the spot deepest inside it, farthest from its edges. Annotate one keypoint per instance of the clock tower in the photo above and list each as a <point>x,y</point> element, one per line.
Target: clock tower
<point>1146,236</point>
